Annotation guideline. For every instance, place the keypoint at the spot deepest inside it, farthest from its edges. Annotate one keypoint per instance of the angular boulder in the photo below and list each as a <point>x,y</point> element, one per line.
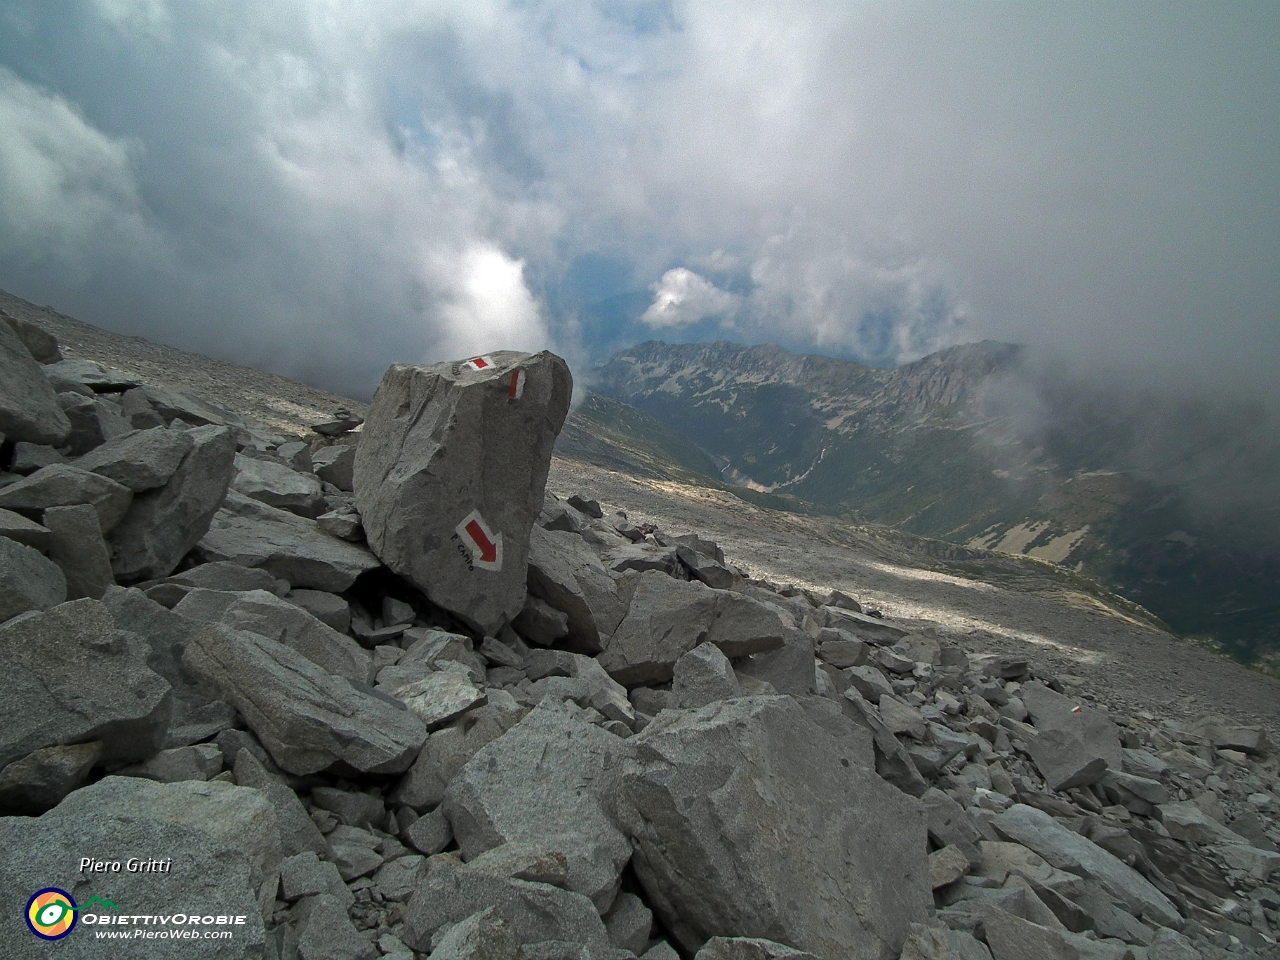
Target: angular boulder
<point>164,524</point>
<point>28,580</point>
<point>306,717</point>
<point>77,546</point>
<point>287,546</point>
<point>71,677</point>
<point>29,409</point>
<point>565,573</point>
<point>534,784</point>
<point>1074,745</point>
<point>278,486</point>
<point>64,485</point>
<point>140,461</point>
<point>450,475</point>
<point>839,868</point>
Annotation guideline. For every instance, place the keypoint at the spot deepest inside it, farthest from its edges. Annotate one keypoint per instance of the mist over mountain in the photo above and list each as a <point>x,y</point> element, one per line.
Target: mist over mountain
<point>1164,495</point>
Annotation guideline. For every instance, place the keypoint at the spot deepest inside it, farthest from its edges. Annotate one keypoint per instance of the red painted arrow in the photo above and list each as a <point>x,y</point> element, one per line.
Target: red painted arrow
<point>488,549</point>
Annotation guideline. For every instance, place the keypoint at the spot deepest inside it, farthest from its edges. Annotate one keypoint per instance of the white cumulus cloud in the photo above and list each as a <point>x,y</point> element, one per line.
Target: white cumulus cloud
<point>683,297</point>
<point>487,306</point>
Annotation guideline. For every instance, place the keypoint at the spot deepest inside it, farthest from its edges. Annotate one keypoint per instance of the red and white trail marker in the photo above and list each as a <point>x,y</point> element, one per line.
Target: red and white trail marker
<point>515,387</point>
<point>483,544</point>
<point>1076,709</point>
<point>480,363</point>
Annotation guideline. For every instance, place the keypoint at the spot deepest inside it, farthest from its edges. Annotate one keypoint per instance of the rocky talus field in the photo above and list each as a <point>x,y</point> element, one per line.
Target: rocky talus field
<point>285,676</point>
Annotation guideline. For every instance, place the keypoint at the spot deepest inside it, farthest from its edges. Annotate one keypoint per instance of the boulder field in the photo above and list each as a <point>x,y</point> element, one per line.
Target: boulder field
<point>370,691</point>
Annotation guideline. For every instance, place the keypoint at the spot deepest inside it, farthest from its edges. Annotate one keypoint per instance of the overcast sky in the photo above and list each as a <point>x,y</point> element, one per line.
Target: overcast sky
<point>323,187</point>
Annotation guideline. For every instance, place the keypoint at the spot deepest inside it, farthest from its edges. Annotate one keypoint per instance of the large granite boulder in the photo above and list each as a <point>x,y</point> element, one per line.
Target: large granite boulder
<point>279,486</point>
<point>450,474</point>
<point>29,409</point>
<point>567,574</point>
<point>28,580</point>
<point>307,718</point>
<point>163,524</point>
<point>1075,745</point>
<point>287,546</point>
<point>761,817</point>
<point>64,485</point>
<point>536,784</point>
<point>141,461</point>
<point>72,677</point>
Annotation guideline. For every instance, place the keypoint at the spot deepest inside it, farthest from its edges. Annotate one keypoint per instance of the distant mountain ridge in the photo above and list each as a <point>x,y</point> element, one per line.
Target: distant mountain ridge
<point>940,448</point>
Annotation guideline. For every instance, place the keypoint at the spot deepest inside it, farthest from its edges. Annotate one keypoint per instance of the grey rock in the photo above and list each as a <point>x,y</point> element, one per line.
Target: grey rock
<point>1012,938</point>
<point>296,454</point>
<point>143,460</point>
<point>704,569</point>
<point>30,457</point>
<point>278,486</point>
<point>397,879</point>
<point>939,943</point>
<point>1171,945</point>
<point>498,654</point>
<point>94,421</point>
<point>901,718</point>
<point>269,616</point>
<point>1225,734</point>
<point>175,404</point>
<point>946,866</point>
<point>344,526</point>
<point>1070,749</point>
<point>306,717</point>
<point>667,618</point>
<point>1109,920</point>
<point>42,346</point>
<point>222,575</point>
<point>325,932</point>
<point>629,923</point>
<point>30,786</point>
<point>79,549</point>
<point>580,679</point>
<point>566,574</point>
<point>138,410</point>
<point>351,807</point>
<point>28,580</point>
<point>97,378</point>
<point>207,868</point>
<point>524,861</point>
<point>862,626</point>
<point>950,825</point>
<point>102,689</point>
<point>354,851</point>
<point>201,761</point>
<point>528,786</point>
<point>430,833</point>
<point>892,761</point>
<point>1069,851</point>
<point>700,784</point>
<point>16,527</point>
<point>437,698</point>
<point>164,524</point>
<point>539,622</point>
<point>335,464</point>
<point>328,608</point>
<point>447,751</point>
<point>298,832</point>
<point>589,507</point>
<point>450,474</point>
<point>843,653</point>
<point>64,485</point>
<point>29,409</point>
<point>789,669</point>
<point>749,948</point>
<point>702,676</point>
<point>306,875</point>
<point>481,936</point>
<point>534,911</point>
<point>289,547</point>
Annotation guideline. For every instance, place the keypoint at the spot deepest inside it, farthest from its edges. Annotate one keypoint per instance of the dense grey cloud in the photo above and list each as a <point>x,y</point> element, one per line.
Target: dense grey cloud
<point>324,188</point>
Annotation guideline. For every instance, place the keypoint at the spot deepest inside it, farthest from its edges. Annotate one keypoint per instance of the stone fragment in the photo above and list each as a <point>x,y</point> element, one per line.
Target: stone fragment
<point>843,653</point>
<point>328,608</point>
<point>702,676</point>
<point>566,574</point>
<point>704,569</point>
<point>30,457</point>
<point>164,524</point>
<point>1069,851</point>
<point>1000,860</point>
<point>865,627</point>
<point>296,454</point>
<point>629,923</point>
<point>1225,734</point>
<point>100,690</point>
<point>1071,749</point>
<point>481,936</point>
<point>306,717</point>
<point>447,751</point>
<point>42,345</point>
<point>667,618</point>
<point>450,474</point>
<point>305,875</point>
<point>201,761</point>
<point>589,507</point>
<point>524,861</point>
<point>298,832</point>
<point>335,465</point>
<point>430,833</point>
<point>94,421</point>
<point>289,547</point>
<point>749,948</point>
<point>142,460</point>
<point>869,682</point>
<point>697,788</point>
<point>902,718</point>
<point>278,486</point>
<point>436,698</point>
<point>526,786</point>
<point>351,807</point>
<point>78,548</point>
<point>16,527</point>
<point>580,679</point>
<point>1185,820</point>
<point>64,485</point>
<point>946,866</point>
<point>29,409</point>
<point>539,622</point>
<point>397,879</point>
<point>174,404</point>
<point>30,786</point>
<point>269,616</point>
<point>343,525</point>
<point>535,912</point>
<point>28,580</point>
<point>1012,938</point>
<point>138,410</point>
<point>325,932</point>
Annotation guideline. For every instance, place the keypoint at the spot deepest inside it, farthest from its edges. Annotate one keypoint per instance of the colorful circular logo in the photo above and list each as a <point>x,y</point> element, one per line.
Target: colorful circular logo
<point>51,913</point>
